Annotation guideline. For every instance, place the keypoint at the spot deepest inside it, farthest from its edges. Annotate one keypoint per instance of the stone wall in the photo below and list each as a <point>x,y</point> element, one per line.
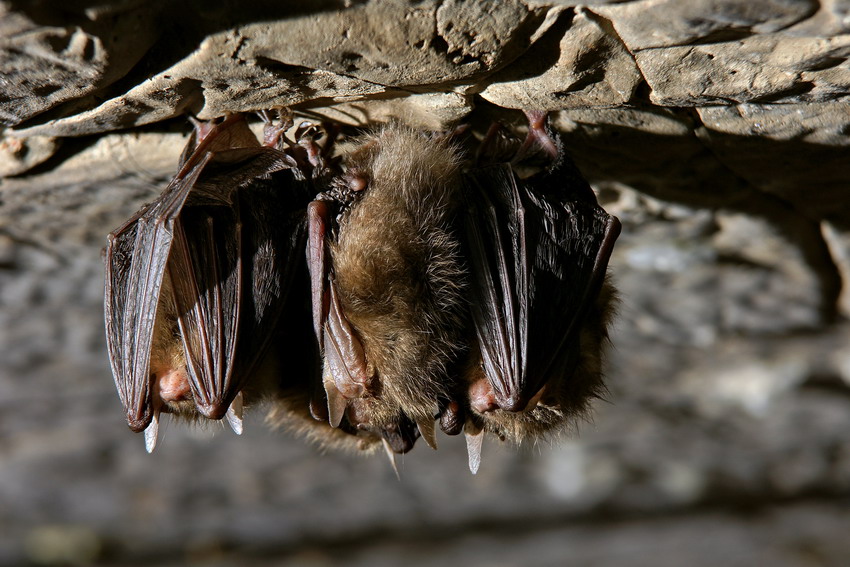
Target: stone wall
<point>715,129</point>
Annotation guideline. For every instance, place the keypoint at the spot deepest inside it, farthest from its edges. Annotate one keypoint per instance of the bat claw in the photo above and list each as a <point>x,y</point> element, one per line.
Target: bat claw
<point>391,457</point>
<point>151,433</point>
<point>426,429</point>
<point>474,442</point>
<point>539,137</point>
<point>234,414</point>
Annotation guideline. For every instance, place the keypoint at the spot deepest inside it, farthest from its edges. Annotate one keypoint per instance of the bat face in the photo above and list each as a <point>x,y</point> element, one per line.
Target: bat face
<point>415,283</point>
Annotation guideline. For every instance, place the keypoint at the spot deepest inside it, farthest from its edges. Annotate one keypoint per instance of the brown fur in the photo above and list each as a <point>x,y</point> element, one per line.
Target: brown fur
<point>398,269</point>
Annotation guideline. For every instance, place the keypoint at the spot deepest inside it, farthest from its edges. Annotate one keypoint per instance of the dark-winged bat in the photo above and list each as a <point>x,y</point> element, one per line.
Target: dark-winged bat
<point>198,280</point>
<point>538,250</point>
<point>444,286</point>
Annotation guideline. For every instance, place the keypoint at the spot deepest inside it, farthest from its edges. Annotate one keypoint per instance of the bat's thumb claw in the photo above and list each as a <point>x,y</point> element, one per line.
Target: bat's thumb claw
<point>391,457</point>
<point>336,404</point>
<point>426,429</point>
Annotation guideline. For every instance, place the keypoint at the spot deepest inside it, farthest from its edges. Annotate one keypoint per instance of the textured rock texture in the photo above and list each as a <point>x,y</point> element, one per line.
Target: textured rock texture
<point>716,129</point>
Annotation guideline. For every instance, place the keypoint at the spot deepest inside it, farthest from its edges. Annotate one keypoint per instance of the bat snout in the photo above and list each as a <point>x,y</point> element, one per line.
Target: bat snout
<point>482,397</point>
<point>173,386</point>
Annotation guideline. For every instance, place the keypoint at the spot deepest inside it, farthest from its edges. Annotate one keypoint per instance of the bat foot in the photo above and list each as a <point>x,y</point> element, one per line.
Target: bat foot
<point>538,139</point>
<point>495,147</point>
<point>273,131</point>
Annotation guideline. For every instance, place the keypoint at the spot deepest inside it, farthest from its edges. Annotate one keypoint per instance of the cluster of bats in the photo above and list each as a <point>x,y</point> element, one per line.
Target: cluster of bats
<point>419,279</point>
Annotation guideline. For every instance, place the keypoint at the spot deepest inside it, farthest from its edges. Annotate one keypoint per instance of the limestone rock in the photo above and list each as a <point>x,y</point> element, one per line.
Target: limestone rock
<point>69,56</point>
<point>765,68</point>
<point>19,155</point>
<point>353,54</point>
<point>578,62</point>
<point>797,152</point>
<point>666,23</point>
<point>430,111</point>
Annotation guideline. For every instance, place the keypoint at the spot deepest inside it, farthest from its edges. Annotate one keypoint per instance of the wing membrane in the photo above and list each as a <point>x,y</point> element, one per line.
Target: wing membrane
<point>538,250</point>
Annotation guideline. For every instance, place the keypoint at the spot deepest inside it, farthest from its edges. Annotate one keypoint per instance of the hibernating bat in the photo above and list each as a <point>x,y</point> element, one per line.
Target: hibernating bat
<point>198,280</point>
<point>450,287</point>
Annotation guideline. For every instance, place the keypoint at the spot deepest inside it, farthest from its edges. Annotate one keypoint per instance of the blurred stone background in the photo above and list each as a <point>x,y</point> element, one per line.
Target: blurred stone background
<point>717,130</point>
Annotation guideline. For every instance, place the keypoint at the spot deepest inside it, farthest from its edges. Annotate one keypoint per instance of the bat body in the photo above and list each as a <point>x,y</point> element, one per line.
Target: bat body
<point>394,295</point>
<point>416,282</point>
<point>538,250</point>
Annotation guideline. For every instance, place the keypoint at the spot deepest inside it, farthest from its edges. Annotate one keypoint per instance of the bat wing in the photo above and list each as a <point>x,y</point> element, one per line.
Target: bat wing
<point>205,269</point>
<point>345,373</point>
<point>538,250</point>
<point>239,244</point>
<point>196,232</point>
<point>136,256</point>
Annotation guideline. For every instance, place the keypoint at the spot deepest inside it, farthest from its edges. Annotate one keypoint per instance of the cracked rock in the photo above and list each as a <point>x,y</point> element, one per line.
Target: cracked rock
<point>577,63</point>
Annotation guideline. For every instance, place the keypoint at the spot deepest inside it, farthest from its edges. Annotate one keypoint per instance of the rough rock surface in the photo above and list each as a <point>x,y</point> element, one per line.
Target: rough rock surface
<point>717,130</point>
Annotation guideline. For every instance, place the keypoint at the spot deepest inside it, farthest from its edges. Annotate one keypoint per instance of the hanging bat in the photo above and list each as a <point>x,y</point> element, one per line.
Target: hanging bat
<point>198,280</point>
<point>388,284</point>
<point>445,288</point>
<point>538,250</point>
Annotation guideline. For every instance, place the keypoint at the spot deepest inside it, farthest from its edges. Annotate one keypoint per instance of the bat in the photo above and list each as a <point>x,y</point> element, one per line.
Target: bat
<point>388,286</point>
<point>449,288</point>
<point>538,250</point>
<point>197,281</point>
